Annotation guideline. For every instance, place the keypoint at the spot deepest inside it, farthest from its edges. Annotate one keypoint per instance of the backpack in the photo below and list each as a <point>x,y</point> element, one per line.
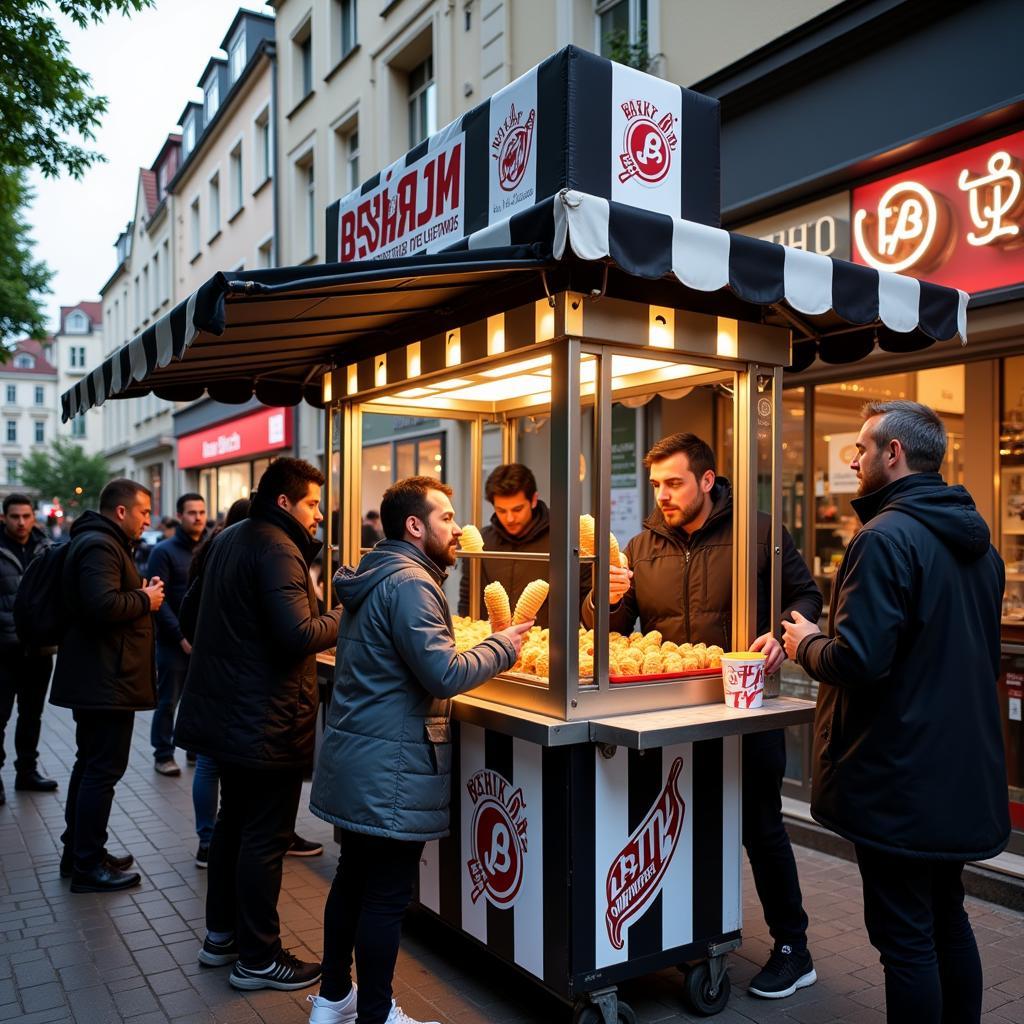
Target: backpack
<point>41,617</point>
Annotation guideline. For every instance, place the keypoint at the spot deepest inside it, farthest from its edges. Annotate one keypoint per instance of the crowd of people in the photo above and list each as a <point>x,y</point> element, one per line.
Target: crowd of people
<point>219,637</point>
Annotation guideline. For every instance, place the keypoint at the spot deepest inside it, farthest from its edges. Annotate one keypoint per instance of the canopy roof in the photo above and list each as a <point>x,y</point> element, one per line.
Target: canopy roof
<point>272,333</point>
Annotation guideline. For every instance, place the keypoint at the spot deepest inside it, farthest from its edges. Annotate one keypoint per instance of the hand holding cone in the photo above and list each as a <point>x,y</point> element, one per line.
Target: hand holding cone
<point>498,611</point>
<point>532,597</point>
<point>471,539</point>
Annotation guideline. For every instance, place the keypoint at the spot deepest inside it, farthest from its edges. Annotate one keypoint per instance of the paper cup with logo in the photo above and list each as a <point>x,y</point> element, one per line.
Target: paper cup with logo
<point>743,679</point>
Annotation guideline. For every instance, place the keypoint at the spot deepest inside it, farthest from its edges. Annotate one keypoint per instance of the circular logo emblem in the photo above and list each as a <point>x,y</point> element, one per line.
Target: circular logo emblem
<point>496,845</point>
<point>514,156</point>
<point>764,407</point>
<point>646,144</point>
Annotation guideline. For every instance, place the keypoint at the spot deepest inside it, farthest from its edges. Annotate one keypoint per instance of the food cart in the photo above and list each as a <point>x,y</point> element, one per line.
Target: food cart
<point>595,825</point>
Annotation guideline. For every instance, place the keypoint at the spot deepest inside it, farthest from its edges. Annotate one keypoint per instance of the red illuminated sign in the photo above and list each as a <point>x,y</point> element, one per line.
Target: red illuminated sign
<point>267,430</point>
<point>958,221</point>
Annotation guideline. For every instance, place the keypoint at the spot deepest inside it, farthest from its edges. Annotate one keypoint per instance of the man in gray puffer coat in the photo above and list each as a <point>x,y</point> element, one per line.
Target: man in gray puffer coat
<point>383,775</point>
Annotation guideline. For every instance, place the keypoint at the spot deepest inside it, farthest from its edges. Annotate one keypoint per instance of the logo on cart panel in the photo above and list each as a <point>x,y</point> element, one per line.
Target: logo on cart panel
<point>648,143</point>
<point>511,147</point>
<point>636,874</point>
<point>497,838</point>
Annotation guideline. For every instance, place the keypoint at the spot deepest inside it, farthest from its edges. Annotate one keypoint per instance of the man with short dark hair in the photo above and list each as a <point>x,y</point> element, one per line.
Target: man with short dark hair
<point>24,672</point>
<point>908,745</point>
<point>250,704</point>
<point>371,532</point>
<point>105,673</point>
<point>170,560</point>
<point>383,775</point>
<point>680,583</point>
<point>521,522</point>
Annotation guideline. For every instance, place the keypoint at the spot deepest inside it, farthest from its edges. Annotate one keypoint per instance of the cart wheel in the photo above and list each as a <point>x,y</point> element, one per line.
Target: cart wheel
<point>586,1013</point>
<point>698,993</point>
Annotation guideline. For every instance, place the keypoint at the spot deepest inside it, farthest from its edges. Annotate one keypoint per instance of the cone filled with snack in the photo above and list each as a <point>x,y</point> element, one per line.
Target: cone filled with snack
<point>498,611</point>
<point>533,596</point>
<point>471,539</point>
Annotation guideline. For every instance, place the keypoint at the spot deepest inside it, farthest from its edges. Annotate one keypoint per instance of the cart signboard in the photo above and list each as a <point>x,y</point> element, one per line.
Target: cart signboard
<point>576,121</point>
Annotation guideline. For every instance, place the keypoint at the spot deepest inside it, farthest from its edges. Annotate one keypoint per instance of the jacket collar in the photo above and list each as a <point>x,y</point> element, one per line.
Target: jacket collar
<point>403,547</point>
<point>184,539</point>
<point>309,547</point>
<point>37,540</point>
<point>95,522</point>
<point>867,506</point>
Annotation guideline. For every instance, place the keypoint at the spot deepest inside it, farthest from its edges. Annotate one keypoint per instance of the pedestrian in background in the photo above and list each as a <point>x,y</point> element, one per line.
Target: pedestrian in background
<point>908,747</point>
<point>383,775</point>
<point>371,532</point>
<point>250,703</point>
<point>170,560</point>
<point>105,673</point>
<point>24,672</point>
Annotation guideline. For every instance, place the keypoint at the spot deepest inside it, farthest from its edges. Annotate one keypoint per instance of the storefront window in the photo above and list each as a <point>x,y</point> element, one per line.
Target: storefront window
<point>233,482</point>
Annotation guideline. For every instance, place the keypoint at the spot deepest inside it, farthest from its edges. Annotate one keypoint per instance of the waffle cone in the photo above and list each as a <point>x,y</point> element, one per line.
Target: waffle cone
<point>471,539</point>
<point>498,611</point>
<point>613,550</point>
<point>532,597</point>
<point>586,535</point>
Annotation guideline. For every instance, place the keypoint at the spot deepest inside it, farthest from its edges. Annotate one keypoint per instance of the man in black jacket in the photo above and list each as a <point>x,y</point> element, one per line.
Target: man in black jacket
<point>105,673</point>
<point>520,522</point>
<point>908,749</point>
<point>24,673</point>
<point>680,582</point>
<point>250,704</point>
<point>170,560</point>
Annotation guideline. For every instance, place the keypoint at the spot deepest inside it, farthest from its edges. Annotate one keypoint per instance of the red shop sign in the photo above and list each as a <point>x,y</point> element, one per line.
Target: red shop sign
<point>258,433</point>
<point>958,221</point>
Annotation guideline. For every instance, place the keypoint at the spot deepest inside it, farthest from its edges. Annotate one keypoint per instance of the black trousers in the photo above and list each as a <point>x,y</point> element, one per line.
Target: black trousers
<point>253,831</point>
<point>766,840</point>
<point>23,679</point>
<point>915,917</point>
<point>368,899</point>
<point>104,741</point>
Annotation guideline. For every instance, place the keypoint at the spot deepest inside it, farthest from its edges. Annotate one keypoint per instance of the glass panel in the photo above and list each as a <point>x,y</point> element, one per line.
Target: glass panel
<point>429,458</point>
<point>405,460</point>
<point>1011,693</point>
<point>233,482</point>
<point>1011,458</point>
<point>377,475</point>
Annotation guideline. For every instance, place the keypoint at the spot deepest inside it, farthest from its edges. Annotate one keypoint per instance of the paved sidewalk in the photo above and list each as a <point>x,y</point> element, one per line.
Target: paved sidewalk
<point>132,956</point>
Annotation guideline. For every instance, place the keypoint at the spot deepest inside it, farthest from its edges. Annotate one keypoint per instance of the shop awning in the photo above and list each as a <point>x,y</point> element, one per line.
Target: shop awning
<point>273,332</point>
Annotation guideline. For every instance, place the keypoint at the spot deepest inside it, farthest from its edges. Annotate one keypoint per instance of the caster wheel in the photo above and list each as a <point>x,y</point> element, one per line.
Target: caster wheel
<point>585,1013</point>
<point>698,993</point>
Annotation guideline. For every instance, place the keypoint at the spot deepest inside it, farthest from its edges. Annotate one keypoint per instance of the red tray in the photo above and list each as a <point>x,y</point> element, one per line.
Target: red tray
<point>659,677</point>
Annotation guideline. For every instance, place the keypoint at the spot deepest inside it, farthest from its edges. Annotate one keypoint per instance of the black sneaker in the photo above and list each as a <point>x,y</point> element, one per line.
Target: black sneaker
<point>218,954</point>
<point>67,864</point>
<point>786,971</point>
<point>286,973</point>
<point>203,855</point>
<point>304,847</point>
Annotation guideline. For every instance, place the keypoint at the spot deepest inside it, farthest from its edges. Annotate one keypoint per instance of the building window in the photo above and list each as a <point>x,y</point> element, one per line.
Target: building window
<point>352,158</point>
<point>78,426</point>
<point>422,102</point>
<point>214,206</point>
<point>76,323</point>
<point>137,308</point>
<point>155,283</point>
<point>303,52</point>
<point>12,394</point>
<point>195,227</point>
<point>236,56</point>
<point>346,10</point>
<point>265,254</point>
<point>24,362</point>
<point>12,431</point>
<point>165,279</point>
<point>161,182</point>
<point>235,160</point>
<point>306,206</point>
<point>264,160</point>
<point>211,97</point>
<point>12,471</point>
<point>621,28</point>
<point>188,137</point>
<point>146,297</point>
<point>40,433</point>
<point>39,395</point>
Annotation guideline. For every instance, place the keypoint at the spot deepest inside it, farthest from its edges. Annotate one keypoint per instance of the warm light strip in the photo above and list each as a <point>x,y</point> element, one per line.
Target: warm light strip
<point>496,334</point>
<point>412,360</point>
<point>453,348</point>
<point>545,320</point>
<point>353,379</point>
<point>380,374</point>
<point>327,388</point>
<point>661,327</point>
<point>728,338</point>
<point>513,368</point>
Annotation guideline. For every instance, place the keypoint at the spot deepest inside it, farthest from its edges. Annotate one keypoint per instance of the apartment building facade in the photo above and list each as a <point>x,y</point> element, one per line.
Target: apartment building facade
<point>75,349</point>
<point>28,409</point>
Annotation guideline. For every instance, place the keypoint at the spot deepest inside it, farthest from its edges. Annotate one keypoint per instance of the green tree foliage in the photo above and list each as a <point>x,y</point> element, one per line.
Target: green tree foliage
<point>60,470</point>
<point>618,48</point>
<point>47,110</point>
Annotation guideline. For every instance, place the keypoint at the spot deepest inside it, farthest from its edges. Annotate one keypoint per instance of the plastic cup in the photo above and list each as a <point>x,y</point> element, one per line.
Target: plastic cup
<point>743,679</point>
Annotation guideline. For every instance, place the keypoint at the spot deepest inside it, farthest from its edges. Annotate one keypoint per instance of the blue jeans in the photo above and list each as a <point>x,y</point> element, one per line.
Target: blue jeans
<point>171,669</point>
<point>205,792</point>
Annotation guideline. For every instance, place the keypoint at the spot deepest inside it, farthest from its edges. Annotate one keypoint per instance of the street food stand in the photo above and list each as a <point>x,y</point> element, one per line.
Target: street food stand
<point>595,826</point>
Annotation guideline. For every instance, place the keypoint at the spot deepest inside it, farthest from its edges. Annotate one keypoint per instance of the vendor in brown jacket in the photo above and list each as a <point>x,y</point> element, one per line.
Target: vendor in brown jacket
<point>680,582</point>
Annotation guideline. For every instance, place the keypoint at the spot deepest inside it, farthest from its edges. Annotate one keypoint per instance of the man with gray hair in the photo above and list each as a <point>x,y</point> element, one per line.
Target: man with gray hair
<point>908,749</point>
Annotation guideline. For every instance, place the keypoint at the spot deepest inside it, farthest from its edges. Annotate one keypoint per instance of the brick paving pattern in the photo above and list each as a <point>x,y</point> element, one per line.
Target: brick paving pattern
<point>131,956</point>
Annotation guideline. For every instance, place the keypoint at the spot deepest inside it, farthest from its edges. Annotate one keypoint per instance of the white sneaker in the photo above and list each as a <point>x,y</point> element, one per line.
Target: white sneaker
<point>399,1016</point>
<point>326,1012</point>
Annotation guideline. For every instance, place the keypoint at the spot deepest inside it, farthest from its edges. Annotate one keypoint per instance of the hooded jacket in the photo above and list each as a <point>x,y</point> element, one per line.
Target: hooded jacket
<point>682,583</point>
<point>250,695</point>
<point>908,747</point>
<point>170,560</point>
<point>385,761</point>
<point>106,658</point>
<point>14,559</point>
<point>513,576</point>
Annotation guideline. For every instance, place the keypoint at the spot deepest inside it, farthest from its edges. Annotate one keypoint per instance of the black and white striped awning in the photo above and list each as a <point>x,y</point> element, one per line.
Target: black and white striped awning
<point>271,332</point>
